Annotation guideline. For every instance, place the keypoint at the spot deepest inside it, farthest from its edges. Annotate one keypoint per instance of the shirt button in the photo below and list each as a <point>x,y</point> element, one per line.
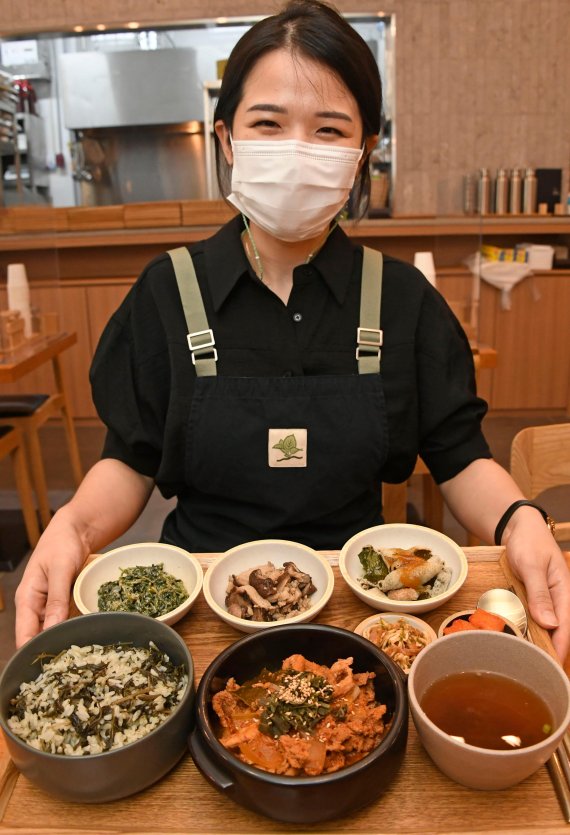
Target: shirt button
<point>297,317</point>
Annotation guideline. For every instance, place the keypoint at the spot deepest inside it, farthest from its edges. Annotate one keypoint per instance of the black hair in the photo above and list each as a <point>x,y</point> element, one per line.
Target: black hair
<point>317,31</point>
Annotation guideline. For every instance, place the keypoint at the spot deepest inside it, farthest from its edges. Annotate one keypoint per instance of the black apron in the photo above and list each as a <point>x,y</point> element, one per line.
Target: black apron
<point>281,457</point>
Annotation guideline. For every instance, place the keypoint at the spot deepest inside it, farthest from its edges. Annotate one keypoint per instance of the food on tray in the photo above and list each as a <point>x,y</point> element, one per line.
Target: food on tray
<point>401,641</point>
<point>267,593</point>
<point>95,698</point>
<point>404,573</point>
<point>480,619</point>
<point>146,589</point>
<point>487,710</point>
<point>304,719</point>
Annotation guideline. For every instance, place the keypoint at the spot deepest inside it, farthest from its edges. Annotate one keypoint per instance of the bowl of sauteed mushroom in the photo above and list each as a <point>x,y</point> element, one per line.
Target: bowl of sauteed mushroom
<point>150,578</point>
<point>98,707</point>
<point>268,582</point>
<point>403,568</point>
<point>302,723</point>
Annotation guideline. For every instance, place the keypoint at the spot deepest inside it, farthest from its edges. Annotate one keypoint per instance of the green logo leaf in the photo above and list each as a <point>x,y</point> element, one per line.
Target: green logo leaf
<point>288,446</point>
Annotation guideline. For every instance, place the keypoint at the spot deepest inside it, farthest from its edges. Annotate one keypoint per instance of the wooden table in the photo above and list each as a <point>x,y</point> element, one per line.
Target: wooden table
<point>17,364</point>
<point>421,800</point>
<point>33,354</point>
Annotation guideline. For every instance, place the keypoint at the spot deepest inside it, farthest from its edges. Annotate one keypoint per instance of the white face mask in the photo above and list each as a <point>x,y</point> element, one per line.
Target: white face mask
<point>291,189</point>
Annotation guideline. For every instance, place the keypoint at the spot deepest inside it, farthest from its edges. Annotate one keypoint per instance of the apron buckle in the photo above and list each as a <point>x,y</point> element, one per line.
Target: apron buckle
<point>369,342</point>
<point>201,344</point>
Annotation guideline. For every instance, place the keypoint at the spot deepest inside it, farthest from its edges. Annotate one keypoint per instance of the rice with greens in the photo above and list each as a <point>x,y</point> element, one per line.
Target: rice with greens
<point>92,699</point>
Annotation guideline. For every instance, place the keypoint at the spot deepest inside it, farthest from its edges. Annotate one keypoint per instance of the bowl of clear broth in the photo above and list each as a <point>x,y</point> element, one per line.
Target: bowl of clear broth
<point>489,708</point>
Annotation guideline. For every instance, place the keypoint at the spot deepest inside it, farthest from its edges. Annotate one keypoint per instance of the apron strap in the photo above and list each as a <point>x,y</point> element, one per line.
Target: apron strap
<point>200,336</point>
<point>369,335</point>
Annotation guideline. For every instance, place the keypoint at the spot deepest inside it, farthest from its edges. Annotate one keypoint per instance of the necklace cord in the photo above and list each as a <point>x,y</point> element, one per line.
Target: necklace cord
<point>257,257</point>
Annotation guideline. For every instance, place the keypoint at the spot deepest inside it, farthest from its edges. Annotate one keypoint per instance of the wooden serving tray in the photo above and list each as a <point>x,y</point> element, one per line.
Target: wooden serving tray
<point>421,799</point>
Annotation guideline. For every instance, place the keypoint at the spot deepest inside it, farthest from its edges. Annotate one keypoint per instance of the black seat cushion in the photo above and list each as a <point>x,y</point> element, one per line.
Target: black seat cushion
<point>20,405</point>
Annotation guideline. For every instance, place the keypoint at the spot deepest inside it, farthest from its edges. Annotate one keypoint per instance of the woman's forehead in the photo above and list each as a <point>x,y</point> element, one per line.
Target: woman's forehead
<point>280,75</point>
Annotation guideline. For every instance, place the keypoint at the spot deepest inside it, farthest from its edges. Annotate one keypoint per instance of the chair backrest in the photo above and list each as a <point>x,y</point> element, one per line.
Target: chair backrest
<point>540,459</point>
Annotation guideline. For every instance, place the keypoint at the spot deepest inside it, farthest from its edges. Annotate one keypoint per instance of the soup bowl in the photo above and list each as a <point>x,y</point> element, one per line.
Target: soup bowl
<point>118,772</point>
<point>302,800</point>
<point>505,655</point>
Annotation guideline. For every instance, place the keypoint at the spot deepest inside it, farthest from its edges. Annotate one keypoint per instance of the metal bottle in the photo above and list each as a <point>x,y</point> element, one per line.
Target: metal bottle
<point>529,192</point>
<point>484,195</point>
<point>502,192</point>
<point>470,194</point>
<point>515,197</point>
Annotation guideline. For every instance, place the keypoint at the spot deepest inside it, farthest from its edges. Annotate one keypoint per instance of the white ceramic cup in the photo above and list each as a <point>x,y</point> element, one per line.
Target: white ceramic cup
<point>493,652</point>
<point>425,264</point>
<point>18,291</point>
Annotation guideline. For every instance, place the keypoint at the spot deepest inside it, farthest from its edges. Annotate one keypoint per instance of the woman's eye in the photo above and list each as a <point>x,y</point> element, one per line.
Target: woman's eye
<point>330,130</point>
<point>265,123</point>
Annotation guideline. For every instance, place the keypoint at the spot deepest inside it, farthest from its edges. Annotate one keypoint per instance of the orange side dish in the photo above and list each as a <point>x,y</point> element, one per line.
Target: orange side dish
<point>304,719</point>
<point>480,619</point>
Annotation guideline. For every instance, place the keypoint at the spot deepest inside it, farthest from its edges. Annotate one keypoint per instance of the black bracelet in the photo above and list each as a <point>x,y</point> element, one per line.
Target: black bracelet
<point>504,520</point>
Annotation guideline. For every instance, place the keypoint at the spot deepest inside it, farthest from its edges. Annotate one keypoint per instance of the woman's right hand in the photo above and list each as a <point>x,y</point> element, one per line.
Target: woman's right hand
<point>109,500</point>
<point>42,598</point>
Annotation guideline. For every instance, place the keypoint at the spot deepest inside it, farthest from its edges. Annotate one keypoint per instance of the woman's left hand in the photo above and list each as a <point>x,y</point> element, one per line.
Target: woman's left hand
<point>478,496</point>
<point>539,563</point>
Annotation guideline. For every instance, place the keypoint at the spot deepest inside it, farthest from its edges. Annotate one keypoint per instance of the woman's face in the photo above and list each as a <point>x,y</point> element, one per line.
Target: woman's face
<point>287,97</point>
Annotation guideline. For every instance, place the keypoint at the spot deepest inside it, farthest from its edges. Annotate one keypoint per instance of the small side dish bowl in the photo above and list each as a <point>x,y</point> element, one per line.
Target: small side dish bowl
<point>402,536</point>
<point>107,567</point>
<point>510,628</point>
<point>121,771</point>
<point>483,651</point>
<point>366,626</point>
<point>248,556</point>
<point>303,800</point>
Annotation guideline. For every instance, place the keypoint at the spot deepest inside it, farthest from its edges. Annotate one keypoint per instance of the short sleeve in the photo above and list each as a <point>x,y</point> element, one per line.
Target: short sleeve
<point>130,382</point>
<point>450,412</point>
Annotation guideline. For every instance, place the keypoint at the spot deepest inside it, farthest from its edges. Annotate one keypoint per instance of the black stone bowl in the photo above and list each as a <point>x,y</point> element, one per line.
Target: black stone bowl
<point>98,778</point>
<point>301,800</point>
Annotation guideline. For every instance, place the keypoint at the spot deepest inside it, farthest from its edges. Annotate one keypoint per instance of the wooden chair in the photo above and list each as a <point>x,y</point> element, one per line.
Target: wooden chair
<point>12,444</point>
<point>540,459</point>
<point>28,412</point>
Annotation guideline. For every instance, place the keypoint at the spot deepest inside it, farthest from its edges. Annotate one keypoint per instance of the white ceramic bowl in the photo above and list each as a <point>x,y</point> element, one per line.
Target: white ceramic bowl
<point>506,655</point>
<point>105,567</point>
<point>510,628</point>
<point>277,551</point>
<point>364,626</point>
<point>402,536</point>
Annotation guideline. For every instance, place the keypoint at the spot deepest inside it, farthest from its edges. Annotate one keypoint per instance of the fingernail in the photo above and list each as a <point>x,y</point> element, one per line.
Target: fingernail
<point>548,619</point>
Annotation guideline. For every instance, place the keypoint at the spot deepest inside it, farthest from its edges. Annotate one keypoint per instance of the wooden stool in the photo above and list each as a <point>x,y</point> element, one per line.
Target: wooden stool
<point>28,412</point>
<point>395,499</point>
<point>12,443</point>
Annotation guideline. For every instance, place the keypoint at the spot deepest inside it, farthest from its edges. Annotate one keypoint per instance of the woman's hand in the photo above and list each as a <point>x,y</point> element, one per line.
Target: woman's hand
<point>477,497</point>
<point>42,598</point>
<point>539,563</point>
<point>109,500</point>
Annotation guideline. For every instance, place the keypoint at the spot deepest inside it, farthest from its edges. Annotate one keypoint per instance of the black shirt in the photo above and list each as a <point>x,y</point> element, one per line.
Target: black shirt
<point>142,374</point>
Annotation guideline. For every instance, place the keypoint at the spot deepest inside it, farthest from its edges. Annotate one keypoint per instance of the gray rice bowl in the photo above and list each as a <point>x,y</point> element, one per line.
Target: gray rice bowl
<point>98,707</point>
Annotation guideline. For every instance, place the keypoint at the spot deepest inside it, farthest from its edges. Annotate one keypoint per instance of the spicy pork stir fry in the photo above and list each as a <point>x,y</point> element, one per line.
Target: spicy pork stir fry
<point>304,719</point>
<point>404,573</point>
<point>268,593</point>
<point>400,641</point>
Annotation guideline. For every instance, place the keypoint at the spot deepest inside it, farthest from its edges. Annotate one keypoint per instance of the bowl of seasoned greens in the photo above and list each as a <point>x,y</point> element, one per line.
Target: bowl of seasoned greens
<point>98,707</point>
<point>149,578</point>
<point>403,568</point>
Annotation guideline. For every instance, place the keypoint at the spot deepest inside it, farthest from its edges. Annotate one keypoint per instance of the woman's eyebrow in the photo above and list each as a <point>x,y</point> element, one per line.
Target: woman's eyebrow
<point>272,108</point>
<point>334,114</point>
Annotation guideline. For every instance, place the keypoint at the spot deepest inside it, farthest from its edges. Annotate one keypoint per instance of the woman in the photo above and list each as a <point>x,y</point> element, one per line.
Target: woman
<point>249,379</point>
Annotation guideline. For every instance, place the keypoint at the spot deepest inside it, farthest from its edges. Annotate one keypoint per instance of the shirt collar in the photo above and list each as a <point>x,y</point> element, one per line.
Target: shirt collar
<point>226,261</point>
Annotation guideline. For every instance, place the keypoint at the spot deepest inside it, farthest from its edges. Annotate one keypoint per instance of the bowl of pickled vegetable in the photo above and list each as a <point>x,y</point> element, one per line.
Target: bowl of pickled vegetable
<point>148,578</point>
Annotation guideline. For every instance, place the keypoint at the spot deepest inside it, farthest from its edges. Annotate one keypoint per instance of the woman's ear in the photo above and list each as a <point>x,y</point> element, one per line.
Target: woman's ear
<point>223,134</point>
